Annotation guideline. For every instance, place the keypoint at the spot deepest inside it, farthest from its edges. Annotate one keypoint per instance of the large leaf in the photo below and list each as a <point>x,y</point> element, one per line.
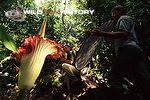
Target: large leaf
<point>7,40</point>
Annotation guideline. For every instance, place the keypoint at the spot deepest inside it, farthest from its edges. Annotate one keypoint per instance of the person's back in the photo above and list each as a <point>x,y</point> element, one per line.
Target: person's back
<point>125,23</point>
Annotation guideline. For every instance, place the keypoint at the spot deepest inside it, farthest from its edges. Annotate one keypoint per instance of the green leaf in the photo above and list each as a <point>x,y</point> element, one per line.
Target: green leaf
<point>7,40</point>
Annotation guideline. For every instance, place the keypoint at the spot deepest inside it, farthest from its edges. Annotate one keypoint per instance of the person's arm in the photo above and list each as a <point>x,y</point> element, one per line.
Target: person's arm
<point>66,60</point>
<point>116,35</point>
<point>124,25</point>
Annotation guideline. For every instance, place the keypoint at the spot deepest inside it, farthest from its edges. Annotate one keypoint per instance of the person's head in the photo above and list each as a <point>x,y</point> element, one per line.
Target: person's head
<point>117,11</point>
<point>67,48</point>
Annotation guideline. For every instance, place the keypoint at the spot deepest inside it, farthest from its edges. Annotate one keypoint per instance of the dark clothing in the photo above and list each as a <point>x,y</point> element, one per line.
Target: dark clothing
<point>125,62</point>
<point>128,63</point>
<point>128,60</point>
<point>141,77</point>
<point>128,53</point>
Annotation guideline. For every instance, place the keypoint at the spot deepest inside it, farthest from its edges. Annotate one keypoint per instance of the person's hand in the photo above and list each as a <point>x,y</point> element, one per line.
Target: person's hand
<point>96,32</point>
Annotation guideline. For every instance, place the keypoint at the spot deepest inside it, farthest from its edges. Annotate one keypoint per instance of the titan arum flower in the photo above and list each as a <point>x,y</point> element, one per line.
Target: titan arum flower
<point>32,53</point>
